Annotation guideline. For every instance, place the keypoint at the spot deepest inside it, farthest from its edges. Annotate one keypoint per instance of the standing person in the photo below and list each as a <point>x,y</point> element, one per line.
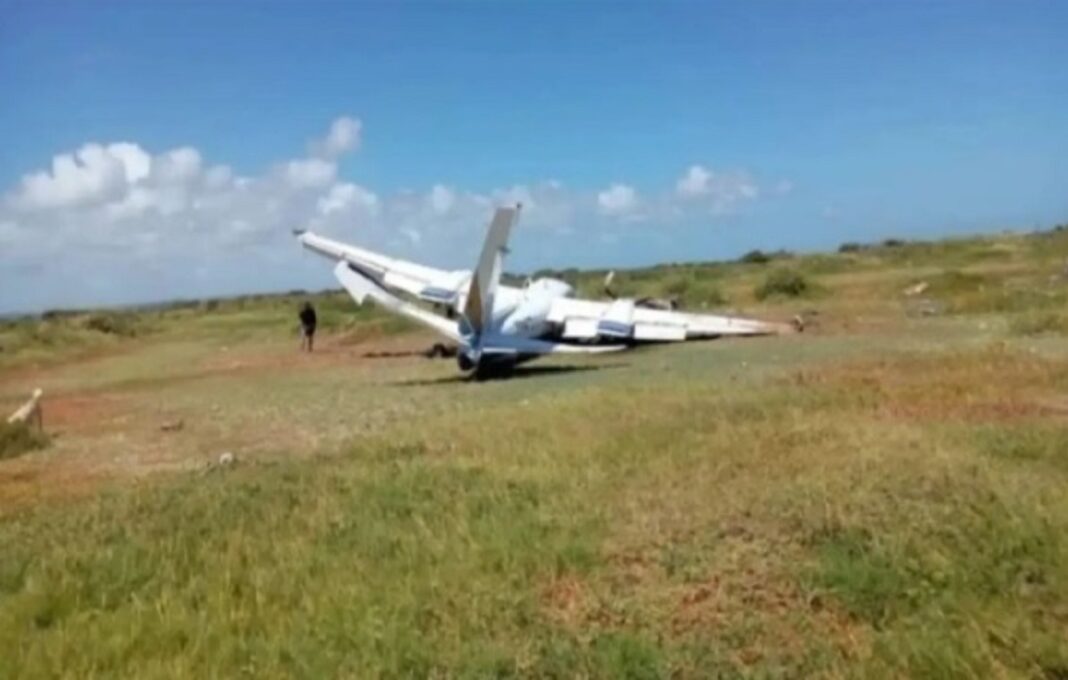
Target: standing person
<point>307,326</point>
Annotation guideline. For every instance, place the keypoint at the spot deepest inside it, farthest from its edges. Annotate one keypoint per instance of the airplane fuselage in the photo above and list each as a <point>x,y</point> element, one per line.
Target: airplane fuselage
<point>524,312</point>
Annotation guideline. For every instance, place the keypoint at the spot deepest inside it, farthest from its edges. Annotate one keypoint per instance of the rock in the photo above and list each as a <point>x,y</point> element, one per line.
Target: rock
<point>226,459</point>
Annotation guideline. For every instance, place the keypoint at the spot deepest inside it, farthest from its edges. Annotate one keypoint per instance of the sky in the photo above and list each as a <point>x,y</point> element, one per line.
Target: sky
<point>151,151</point>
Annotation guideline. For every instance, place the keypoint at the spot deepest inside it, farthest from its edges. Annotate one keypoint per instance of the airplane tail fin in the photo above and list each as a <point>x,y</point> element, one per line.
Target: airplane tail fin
<point>478,311</point>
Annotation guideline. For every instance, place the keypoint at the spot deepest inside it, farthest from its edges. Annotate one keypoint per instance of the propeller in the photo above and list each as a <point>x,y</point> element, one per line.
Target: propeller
<point>608,284</point>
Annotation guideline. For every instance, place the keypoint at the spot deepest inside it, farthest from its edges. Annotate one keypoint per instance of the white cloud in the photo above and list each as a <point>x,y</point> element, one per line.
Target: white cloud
<point>344,136</point>
<point>179,165</point>
<point>618,199</point>
<point>412,235</point>
<point>218,177</point>
<point>346,195</point>
<point>722,191</point>
<point>310,173</point>
<point>442,199</point>
<point>94,173</point>
<point>694,182</point>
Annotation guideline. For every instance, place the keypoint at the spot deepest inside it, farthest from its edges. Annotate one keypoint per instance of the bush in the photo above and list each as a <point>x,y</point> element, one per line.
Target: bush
<point>678,286</point>
<point>755,257</point>
<point>112,323</point>
<point>1039,323</point>
<point>954,281</point>
<point>893,243</point>
<point>851,247</point>
<point>784,283</point>
<point>18,438</point>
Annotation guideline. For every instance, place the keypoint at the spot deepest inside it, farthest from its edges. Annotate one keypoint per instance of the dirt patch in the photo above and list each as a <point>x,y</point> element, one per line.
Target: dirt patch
<point>115,431</point>
<point>82,413</point>
<point>566,601</point>
<point>331,350</point>
<point>27,481</point>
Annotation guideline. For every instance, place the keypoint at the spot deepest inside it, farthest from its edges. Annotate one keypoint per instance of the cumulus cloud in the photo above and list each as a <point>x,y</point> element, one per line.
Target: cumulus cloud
<point>618,199</point>
<point>694,182</point>
<point>310,173</point>
<point>344,136</point>
<point>442,199</point>
<point>94,173</point>
<point>721,191</point>
<point>346,195</point>
<point>159,223</point>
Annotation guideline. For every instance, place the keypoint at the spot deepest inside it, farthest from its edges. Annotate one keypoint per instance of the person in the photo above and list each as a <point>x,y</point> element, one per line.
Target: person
<point>307,326</point>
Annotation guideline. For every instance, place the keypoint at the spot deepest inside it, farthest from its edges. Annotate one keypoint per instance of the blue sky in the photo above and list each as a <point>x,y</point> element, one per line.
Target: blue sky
<point>636,133</point>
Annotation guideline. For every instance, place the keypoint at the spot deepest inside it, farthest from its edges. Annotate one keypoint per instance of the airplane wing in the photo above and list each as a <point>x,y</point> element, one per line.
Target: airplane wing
<point>361,287</point>
<point>426,283</point>
<point>623,320</point>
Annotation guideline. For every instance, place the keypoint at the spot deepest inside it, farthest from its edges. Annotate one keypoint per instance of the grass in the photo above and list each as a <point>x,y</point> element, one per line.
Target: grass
<point>61,335</point>
<point>882,497</point>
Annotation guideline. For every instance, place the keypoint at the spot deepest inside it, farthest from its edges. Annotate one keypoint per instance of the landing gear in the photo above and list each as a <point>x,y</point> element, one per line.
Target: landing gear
<point>464,362</point>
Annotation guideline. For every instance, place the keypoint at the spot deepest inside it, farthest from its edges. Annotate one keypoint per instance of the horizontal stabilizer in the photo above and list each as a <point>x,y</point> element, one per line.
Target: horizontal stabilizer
<point>360,287</point>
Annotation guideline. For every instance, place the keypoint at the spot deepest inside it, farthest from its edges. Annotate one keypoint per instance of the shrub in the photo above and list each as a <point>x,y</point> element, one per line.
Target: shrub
<point>111,323</point>
<point>784,283</point>
<point>755,257</point>
<point>18,438</point>
<point>678,286</point>
<point>1039,323</point>
<point>893,243</point>
<point>850,247</point>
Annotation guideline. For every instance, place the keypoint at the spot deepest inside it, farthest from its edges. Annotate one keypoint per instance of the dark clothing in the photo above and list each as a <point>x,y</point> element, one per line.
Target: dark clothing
<point>308,320</point>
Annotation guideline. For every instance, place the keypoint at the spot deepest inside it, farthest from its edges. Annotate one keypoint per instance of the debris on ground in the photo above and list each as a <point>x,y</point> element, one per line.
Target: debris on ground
<point>172,425</point>
<point>925,307</point>
<point>30,412</point>
<point>440,350</point>
<point>808,318</point>
<point>917,289</point>
<point>24,429</point>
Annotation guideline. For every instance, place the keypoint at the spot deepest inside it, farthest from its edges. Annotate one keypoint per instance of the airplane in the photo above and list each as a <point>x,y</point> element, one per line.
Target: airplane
<point>496,326</point>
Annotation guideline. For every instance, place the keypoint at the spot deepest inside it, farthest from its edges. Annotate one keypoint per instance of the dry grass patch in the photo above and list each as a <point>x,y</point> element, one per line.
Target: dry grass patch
<point>994,384</point>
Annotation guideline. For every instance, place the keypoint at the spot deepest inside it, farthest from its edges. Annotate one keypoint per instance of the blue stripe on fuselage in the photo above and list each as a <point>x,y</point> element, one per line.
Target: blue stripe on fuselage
<point>437,294</point>
<point>613,328</point>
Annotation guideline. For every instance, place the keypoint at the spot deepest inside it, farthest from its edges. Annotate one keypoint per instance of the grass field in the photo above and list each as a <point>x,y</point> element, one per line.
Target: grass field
<point>880,496</point>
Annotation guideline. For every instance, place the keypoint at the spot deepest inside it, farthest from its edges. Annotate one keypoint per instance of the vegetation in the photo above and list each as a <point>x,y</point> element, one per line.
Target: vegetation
<point>60,334</point>
<point>18,438</point>
<point>783,282</point>
<point>755,257</point>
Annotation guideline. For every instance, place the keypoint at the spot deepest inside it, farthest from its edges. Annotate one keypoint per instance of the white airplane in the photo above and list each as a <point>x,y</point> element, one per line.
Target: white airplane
<point>496,326</point>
